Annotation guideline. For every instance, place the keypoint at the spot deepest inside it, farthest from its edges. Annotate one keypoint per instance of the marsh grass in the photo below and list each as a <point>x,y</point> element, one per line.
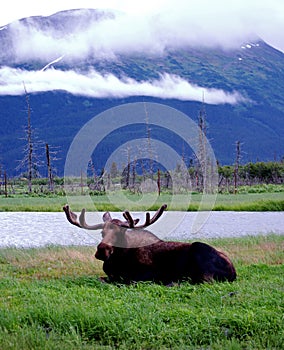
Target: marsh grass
<point>53,298</point>
<point>269,201</point>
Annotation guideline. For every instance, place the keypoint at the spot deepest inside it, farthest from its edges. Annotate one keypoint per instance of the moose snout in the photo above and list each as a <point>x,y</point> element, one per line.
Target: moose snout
<point>104,251</point>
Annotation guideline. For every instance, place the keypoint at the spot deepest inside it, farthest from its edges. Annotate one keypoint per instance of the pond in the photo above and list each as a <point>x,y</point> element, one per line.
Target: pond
<point>28,229</point>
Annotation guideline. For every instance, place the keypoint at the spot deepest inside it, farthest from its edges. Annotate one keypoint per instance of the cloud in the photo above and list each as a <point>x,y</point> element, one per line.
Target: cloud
<point>99,39</point>
<point>177,24</point>
<point>94,84</point>
<point>174,25</point>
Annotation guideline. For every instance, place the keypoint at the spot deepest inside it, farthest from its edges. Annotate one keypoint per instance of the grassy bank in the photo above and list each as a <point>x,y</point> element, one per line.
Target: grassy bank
<point>52,298</point>
<point>268,201</point>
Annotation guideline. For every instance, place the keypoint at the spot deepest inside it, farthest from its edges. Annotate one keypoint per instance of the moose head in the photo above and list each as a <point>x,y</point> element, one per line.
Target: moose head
<point>131,253</point>
<point>118,233</point>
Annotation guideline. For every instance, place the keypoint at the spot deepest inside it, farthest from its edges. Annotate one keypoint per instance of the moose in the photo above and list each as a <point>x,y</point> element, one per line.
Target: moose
<point>131,254</point>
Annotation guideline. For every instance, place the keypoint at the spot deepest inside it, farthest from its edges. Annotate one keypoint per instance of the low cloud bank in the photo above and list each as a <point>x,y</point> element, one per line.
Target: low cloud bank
<point>124,35</point>
<point>96,85</point>
<point>179,24</point>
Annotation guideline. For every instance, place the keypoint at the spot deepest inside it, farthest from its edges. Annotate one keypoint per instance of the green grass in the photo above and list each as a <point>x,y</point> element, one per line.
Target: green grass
<point>269,201</point>
<point>52,298</point>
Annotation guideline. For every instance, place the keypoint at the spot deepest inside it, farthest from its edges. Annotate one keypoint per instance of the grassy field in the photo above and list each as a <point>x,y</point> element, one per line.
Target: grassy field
<point>268,201</point>
<point>52,298</point>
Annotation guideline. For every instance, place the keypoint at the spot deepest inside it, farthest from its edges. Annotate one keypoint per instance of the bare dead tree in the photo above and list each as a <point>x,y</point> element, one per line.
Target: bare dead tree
<point>237,164</point>
<point>159,182</point>
<point>127,175</point>
<point>167,180</point>
<point>30,144</point>
<point>5,184</point>
<point>134,173</point>
<point>141,163</point>
<point>30,160</point>
<point>114,170</point>
<point>202,154</point>
<point>183,155</point>
<point>108,181</point>
<point>103,174</point>
<point>0,178</point>
<point>49,168</point>
<point>81,183</point>
<point>98,179</point>
<point>91,166</point>
<point>149,143</point>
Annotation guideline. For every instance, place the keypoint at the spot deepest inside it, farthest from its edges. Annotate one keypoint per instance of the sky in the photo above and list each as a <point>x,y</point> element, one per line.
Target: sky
<point>140,26</point>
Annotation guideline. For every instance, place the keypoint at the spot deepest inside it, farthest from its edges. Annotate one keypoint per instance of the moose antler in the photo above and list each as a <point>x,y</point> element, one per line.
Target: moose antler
<point>148,221</point>
<point>73,219</point>
<point>130,222</point>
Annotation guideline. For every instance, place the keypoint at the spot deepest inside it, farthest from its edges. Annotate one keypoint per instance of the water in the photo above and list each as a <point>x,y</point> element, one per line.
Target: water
<point>26,229</point>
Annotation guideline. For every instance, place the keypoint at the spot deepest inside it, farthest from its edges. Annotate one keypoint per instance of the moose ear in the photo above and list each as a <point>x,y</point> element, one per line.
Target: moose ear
<point>107,217</point>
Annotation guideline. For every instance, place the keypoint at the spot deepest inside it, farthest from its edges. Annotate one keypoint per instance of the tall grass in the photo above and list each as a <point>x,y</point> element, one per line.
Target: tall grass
<point>243,201</point>
<point>52,298</point>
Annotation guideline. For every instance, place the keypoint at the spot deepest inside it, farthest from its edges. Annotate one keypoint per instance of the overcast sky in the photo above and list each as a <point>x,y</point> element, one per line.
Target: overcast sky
<point>140,26</point>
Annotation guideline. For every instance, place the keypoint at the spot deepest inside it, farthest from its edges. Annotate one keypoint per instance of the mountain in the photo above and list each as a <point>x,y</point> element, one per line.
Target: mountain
<point>250,77</point>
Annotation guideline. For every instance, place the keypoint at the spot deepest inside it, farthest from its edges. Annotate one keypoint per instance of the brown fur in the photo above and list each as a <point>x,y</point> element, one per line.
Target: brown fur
<point>144,257</point>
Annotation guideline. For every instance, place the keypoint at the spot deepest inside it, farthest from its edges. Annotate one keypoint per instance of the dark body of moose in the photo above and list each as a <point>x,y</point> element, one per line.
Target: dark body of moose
<point>132,254</point>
